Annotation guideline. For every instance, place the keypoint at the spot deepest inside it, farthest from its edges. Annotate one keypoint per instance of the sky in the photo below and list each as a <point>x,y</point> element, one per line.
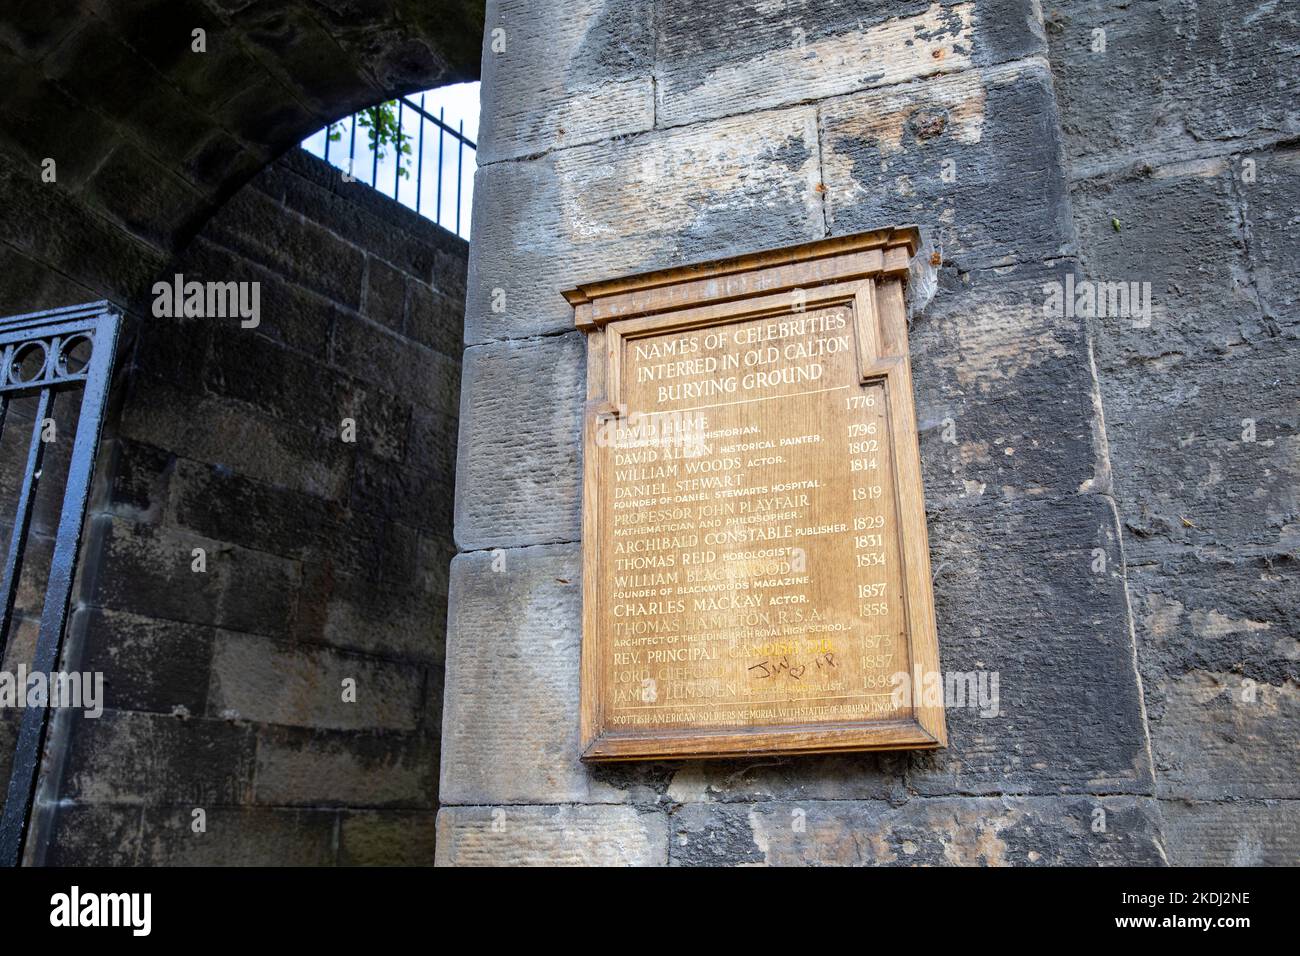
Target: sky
<point>458,103</point>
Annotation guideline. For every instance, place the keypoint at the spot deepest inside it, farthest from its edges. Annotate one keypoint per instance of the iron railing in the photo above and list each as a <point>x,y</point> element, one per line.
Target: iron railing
<point>459,141</point>
<point>43,357</point>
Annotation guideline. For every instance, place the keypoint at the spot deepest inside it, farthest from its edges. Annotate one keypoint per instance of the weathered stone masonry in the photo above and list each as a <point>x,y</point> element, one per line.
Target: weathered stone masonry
<point>1186,133</point>
<point>620,137</point>
<point>325,559</point>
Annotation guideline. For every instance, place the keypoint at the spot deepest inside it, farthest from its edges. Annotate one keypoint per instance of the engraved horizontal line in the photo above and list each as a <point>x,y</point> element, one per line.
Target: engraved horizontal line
<point>749,703</point>
<point>745,401</point>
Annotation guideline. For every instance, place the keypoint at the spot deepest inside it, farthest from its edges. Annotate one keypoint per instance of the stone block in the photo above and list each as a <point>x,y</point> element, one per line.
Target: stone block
<point>713,61</point>
<point>288,313</point>
<point>551,836</point>
<point>397,365</point>
<point>451,265</point>
<point>1216,639</point>
<point>159,31</point>
<point>245,836</point>
<point>270,682</point>
<point>220,158</point>
<point>1178,230</point>
<point>129,758</point>
<point>244,366</point>
<point>299,390</point>
<point>1218,736</point>
<point>172,351</point>
<point>433,565</point>
<point>92,835</point>
<point>211,501</point>
<point>42,122</point>
<point>1206,454</point>
<point>293,45</point>
<point>518,480</point>
<point>263,518</point>
<point>431,443</point>
<point>385,301</point>
<point>268,115</point>
<point>417,498</point>
<point>256,226</point>
<point>35,28</point>
<point>322,768</point>
<point>420,46</point>
<point>958,831</point>
<point>1273,253</point>
<point>1019,592</point>
<point>388,838</point>
<point>138,474</point>
<point>1240,833</point>
<point>1177,81</point>
<point>356,613</point>
<point>1005,398</point>
<point>148,571</point>
<point>362,216</point>
<point>148,665</point>
<point>570,73</point>
<point>510,727</point>
<point>100,71</point>
<point>858,776</point>
<point>435,319</point>
<point>221,432</point>
<point>48,226</point>
<point>146,198</point>
<point>975,157</point>
<point>667,198</point>
<point>382,418</point>
<point>30,286</point>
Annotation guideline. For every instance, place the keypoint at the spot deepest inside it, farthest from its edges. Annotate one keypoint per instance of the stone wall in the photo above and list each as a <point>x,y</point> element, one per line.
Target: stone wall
<point>1112,503</point>
<point>1100,537</point>
<point>1182,139</point>
<point>326,559</point>
<point>124,126</point>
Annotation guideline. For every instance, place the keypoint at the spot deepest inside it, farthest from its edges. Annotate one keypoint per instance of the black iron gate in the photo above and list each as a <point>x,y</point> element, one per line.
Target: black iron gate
<point>49,356</point>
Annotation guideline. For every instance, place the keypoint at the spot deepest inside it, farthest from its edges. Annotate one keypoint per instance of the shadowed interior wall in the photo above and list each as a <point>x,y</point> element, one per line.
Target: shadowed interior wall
<point>120,137</point>
<point>1064,505</point>
<point>326,559</point>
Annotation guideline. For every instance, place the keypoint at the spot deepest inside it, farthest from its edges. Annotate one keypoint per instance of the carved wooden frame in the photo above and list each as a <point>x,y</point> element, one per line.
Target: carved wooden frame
<point>867,272</point>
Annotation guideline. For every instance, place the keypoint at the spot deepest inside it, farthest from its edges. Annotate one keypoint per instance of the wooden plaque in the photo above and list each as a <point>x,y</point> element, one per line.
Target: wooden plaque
<point>756,574</point>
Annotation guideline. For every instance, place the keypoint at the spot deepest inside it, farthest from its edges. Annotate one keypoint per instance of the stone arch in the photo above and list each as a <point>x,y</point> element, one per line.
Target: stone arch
<point>150,136</point>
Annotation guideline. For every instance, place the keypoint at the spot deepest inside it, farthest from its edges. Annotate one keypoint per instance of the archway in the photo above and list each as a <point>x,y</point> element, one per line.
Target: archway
<point>273,507</point>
